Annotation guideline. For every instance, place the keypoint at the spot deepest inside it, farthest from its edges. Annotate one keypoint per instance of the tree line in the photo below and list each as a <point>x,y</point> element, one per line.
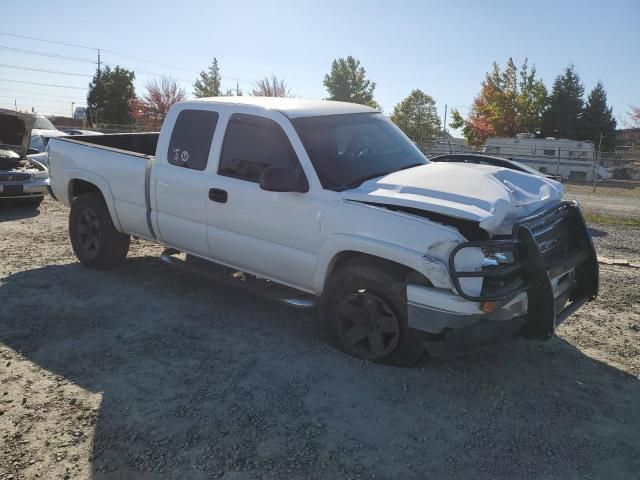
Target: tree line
<point>511,100</point>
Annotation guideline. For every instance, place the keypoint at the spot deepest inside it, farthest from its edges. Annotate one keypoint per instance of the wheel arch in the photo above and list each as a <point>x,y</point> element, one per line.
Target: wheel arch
<point>84,183</point>
<point>343,250</point>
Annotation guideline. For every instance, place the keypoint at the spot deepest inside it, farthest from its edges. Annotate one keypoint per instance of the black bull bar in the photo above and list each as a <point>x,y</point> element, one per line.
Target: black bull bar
<point>550,246</point>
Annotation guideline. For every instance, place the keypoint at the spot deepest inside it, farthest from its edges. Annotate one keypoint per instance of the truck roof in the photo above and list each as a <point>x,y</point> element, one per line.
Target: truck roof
<point>291,107</point>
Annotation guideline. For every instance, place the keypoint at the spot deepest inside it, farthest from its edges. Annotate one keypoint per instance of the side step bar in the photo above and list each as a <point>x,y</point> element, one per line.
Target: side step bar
<point>228,276</point>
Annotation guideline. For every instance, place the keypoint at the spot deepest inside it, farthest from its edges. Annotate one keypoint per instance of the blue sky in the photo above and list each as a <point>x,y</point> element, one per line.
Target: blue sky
<point>443,48</point>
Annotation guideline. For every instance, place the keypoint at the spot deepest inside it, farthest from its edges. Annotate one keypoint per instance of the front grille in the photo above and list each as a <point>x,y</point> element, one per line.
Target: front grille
<point>14,177</point>
<point>552,240</point>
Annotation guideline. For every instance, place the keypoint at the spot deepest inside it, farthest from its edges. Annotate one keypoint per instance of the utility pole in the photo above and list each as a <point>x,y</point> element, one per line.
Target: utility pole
<point>597,167</point>
<point>15,102</point>
<point>72,104</point>
<point>98,81</point>
<point>444,125</point>
<point>237,88</point>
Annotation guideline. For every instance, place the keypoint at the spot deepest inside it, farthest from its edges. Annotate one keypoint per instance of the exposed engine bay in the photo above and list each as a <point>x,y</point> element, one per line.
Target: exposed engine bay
<point>11,161</point>
<point>21,177</point>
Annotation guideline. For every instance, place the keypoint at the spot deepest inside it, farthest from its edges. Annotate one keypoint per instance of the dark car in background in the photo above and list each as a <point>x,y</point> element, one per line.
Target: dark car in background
<point>491,160</point>
<point>21,178</point>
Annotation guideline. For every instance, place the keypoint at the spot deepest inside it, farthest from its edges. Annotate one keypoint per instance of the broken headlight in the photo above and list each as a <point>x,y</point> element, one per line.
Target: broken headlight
<point>494,257</point>
<point>483,271</point>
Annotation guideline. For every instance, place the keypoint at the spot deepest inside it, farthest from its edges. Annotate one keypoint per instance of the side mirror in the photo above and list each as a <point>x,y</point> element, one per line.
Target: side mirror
<point>279,179</point>
<point>32,151</point>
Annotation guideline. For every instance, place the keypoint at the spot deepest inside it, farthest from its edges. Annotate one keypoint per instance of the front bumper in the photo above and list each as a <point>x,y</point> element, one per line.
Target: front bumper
<point>25,189</point>
<point>554,273</point>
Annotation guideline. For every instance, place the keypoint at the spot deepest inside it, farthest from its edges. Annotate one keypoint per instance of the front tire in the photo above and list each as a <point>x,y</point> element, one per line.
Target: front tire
<point>364,311</point>
<point>94,239</point>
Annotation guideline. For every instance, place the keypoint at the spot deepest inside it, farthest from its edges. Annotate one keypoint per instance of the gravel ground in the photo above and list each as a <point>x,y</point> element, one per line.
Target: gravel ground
<point>606,203</point>
<point>145,372</point>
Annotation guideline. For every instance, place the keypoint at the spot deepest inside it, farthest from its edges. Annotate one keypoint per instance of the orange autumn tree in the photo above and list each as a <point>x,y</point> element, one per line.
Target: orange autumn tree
<point>510,101</point>
<point>156,102</point>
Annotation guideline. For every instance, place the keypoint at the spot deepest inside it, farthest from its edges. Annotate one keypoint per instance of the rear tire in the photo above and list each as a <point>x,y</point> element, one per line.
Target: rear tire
<point>364,311</point>
<point>94,239</point>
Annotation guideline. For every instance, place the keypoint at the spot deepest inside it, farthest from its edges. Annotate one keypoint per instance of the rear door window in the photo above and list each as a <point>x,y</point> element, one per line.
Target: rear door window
<point>191,139</point>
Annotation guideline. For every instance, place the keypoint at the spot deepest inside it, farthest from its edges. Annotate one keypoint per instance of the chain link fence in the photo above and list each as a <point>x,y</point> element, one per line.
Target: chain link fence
<point>607,185</point>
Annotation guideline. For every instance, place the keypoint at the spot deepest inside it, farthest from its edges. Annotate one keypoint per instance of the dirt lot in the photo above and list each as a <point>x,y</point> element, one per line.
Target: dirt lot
<point>144,372</point>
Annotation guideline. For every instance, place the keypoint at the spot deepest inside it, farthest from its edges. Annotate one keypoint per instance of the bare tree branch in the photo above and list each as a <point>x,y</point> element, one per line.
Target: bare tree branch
<point>271,86</point>
<point>160,96</point>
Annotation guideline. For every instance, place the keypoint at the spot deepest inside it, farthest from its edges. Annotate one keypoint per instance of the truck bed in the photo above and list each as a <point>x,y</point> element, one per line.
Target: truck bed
<point>118,164</point>
<point>142,143</point>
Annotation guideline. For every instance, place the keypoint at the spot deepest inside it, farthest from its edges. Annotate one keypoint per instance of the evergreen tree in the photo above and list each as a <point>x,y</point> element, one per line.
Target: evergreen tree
<point>208,84</point>
<point>598,119</point>
<point>347,82</point>
<point>111,95</point>
<point>418,118</point>
<point>563,117</point>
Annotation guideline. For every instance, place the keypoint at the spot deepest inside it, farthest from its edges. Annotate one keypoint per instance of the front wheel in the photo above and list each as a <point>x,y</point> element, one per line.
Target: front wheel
<point>364,309</point>
<point>94,239</point>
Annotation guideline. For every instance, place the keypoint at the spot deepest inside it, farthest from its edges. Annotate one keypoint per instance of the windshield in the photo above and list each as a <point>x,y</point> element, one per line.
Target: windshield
<point>43,123</point>
<point>37,142</point>
<point>348,149</point>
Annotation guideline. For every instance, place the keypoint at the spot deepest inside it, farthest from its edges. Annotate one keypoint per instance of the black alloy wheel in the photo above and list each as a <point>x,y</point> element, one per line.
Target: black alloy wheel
<point>367,325</point>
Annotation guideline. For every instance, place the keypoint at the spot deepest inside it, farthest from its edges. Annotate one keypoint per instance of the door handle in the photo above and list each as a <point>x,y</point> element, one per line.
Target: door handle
<point>218,195</point>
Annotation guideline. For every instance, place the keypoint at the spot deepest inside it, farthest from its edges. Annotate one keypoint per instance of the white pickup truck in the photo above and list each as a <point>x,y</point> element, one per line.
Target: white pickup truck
<point>328,203</point>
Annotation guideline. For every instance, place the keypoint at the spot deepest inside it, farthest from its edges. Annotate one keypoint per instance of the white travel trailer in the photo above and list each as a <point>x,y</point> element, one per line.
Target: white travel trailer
<point>571,159</point>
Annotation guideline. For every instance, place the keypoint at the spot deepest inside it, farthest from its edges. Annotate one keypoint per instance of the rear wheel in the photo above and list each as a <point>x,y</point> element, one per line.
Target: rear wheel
<point>364,310</point>
<point>95,241</point>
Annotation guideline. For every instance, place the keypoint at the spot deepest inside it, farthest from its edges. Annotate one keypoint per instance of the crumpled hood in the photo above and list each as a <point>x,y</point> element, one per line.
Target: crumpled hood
<point>493,196</point>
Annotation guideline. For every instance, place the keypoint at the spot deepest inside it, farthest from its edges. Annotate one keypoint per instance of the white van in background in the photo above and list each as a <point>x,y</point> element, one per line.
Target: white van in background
<point>569,159</point>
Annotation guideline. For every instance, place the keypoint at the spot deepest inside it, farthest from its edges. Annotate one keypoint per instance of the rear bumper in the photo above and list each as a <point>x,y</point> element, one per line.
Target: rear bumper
<point>26,189</point>
<point>541,292</point>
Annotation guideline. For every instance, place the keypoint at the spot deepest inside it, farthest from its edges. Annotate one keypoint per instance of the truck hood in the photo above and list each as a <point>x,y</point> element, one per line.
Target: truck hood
<point>15,132</point>
<point>494,197</point>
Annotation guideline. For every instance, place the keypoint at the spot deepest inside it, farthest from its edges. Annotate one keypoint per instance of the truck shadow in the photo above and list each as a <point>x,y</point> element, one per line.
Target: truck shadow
<point>199,381</point>
<point>17,211</point>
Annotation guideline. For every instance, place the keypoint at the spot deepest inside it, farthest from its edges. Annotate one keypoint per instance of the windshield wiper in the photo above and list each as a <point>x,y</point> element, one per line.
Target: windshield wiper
<point>412,166</point>
<point>360,181</point>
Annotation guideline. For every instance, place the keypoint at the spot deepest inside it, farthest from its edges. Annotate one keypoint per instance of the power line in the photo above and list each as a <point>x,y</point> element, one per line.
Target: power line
<point>45,54</point>
<point>15,92</point>
<point>45,71</point>
<point>149,61</point>
<point>34,52</point>
<point>44,99</point>
<point>146,72</point>
<point>47,41</point>
<point>41,84</point>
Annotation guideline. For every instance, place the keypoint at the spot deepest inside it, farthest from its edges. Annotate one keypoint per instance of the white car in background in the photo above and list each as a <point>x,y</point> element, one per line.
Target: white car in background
<point>43,130</point>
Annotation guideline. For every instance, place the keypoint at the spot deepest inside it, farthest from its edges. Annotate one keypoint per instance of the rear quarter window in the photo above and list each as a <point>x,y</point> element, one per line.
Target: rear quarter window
<point>191,139</point>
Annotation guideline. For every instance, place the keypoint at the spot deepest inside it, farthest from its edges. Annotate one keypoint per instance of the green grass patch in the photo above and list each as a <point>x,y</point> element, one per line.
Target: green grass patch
<point>630,189</point>
<point>599,219</point>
